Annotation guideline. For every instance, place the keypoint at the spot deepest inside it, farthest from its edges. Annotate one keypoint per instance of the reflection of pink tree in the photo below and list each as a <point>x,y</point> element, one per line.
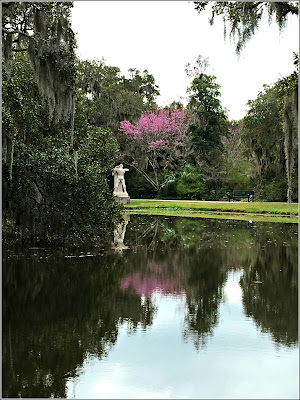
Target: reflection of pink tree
<point>154,267</point>
<point>157,139</point>
<point>157,277</point>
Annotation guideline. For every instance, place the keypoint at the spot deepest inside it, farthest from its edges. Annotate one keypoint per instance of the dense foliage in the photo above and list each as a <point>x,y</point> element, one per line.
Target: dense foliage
<point>269,137</point>
<point>43,31</point>
<point>110,97</point>
<point>49,190</point>
<point>264,139</point>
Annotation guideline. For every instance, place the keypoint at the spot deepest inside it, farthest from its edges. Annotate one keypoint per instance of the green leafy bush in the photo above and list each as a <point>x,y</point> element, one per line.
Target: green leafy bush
<point>190,184</point>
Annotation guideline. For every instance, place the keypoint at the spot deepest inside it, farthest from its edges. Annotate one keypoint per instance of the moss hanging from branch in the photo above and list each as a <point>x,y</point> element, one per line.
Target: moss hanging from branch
<point>243,18</point>
<point>50,43</point>
<point>11,161</point>
<point>7,50</point>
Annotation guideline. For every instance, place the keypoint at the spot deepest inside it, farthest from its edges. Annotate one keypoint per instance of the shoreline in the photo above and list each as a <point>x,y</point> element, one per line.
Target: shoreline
<point>264,212</point>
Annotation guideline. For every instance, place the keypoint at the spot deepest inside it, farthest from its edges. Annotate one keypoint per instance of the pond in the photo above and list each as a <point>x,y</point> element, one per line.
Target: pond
<point>175,308</point>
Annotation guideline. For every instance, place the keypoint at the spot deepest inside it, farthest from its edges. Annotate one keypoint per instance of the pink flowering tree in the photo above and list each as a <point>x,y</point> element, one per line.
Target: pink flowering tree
<point>156,143</point>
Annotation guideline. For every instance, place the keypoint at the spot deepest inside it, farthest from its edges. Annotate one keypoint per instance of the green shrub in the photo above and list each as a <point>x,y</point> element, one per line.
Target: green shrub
<point>190,185</point>
<point>274,190</point>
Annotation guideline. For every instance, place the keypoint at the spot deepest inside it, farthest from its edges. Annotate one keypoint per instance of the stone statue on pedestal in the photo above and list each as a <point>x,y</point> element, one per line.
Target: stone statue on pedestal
<point>119,184</point>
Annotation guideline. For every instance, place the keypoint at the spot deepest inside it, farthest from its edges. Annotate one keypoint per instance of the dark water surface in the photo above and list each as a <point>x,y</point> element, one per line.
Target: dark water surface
<point>182,308</point>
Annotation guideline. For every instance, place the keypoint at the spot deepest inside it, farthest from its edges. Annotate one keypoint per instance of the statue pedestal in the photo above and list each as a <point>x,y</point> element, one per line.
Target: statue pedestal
<point>123,197</point>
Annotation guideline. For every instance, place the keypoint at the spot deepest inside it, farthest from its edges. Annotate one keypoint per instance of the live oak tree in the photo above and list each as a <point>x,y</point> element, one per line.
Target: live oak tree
<point>270,134</point>
<point>109,97</point>
<point>263,140</point>
<point>43,31</point>
<point>51,189</point>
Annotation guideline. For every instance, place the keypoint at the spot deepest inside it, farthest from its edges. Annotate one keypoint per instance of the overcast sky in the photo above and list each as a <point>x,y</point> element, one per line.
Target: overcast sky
<point>163,36</point>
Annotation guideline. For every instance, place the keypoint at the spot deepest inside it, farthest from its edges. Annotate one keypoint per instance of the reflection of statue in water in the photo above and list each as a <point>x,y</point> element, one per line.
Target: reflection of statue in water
<point>119,235</point>
<point>119,183</point>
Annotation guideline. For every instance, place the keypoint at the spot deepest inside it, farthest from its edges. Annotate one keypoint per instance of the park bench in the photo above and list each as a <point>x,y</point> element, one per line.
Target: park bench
<point>241,194</point>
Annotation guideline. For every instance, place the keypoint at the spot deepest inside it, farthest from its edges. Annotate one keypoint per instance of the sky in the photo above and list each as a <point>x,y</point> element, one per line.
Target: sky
<point>163,36</point>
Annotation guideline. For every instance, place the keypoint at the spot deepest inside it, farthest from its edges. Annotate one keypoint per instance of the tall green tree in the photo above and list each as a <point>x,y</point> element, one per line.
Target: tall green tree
<point>50,189</point>
<point>263,138</point>
<point>209,125</point>
<point>210,121</point>
<point>269,134</point>
<point>109,97</point>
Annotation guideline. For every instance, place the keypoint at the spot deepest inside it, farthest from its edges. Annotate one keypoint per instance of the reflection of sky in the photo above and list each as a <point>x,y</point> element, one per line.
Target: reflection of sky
<point>232,289</point>
<point>238,361</point>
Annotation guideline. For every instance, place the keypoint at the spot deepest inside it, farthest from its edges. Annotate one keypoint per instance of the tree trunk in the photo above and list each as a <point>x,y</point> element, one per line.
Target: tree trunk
<point>290,128</point>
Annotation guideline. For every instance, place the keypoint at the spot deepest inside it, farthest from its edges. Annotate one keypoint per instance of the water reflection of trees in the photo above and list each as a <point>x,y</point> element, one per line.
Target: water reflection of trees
<point>196,274</point>
<point>56,313</point>
<point>179,256</point>
<point>203,251</point>
<point>203,294</point>
<point>270,292</point>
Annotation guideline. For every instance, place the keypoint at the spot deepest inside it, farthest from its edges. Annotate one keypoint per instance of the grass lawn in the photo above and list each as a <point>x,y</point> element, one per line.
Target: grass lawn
<point>267,211</point>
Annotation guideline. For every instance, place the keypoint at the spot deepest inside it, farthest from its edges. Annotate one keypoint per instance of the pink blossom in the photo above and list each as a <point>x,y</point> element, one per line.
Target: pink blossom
<point>161,130</point>
<point>160,122</point>
<point>158,143</point>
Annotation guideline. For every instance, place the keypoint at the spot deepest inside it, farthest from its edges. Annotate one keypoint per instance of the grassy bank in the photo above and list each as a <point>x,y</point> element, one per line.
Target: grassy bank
<point>256,211</point>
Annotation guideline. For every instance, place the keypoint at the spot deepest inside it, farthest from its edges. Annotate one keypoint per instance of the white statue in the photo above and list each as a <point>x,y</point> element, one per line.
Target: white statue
<point>119,182</point>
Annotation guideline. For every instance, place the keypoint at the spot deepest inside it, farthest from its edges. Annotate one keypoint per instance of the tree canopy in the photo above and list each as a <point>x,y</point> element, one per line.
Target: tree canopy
<point>110,97</point>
